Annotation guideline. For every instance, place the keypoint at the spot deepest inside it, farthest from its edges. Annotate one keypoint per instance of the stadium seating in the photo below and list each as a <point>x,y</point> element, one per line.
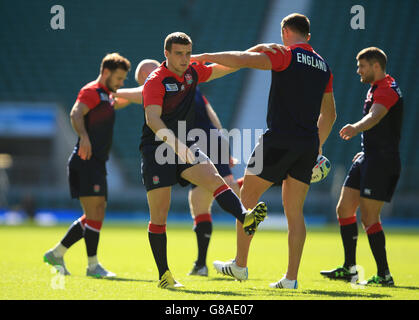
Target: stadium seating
<point>38,63</point>
<point>41,64</point>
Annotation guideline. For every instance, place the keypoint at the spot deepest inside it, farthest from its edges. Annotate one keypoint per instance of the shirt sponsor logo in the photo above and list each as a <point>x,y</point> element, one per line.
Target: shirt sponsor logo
<point>188,78</point>
<point>156,180</point>
<point>171,87</point>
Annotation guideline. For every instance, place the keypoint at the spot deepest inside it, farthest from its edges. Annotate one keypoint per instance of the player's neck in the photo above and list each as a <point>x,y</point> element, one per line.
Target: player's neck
<point>174,70</point>
<point>102,81</point>
<point>295,41</point>
<point>379,76</point>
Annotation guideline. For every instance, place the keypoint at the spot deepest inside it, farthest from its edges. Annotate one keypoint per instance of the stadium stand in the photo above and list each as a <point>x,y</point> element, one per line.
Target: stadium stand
<point>41,64</point>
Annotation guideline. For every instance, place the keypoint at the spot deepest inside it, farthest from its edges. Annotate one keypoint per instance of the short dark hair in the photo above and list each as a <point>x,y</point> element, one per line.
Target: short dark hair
<point>113,61</point>
<point>373,54</point>
<point>297,22</point>
<point>176,37</point>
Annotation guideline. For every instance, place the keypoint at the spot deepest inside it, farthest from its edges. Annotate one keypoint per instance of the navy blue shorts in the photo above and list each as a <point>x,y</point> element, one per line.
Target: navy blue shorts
<point>283,158</point>
<point>156,175</point>
<point>375,176</point>
<point>87,177</point>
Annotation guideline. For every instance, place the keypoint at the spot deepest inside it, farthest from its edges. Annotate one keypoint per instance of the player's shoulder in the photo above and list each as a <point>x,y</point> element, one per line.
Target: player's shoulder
<point>156,76</point>
<point>197,67</point>
<point>90,89</point>
<point>93,85</point>
<point>386,85</point>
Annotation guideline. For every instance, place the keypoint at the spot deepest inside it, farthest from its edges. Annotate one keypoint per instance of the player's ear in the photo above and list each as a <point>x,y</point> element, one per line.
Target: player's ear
<point>166,53</point>
<point>105,73</point>
<point>308,37</point>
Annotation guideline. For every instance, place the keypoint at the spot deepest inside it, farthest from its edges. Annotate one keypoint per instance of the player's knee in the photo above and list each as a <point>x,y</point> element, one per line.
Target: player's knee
<point>369,220</point>
<point>343,211</point>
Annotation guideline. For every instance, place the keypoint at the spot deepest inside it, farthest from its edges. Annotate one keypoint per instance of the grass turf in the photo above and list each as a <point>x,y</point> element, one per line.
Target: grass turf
<point>125,250</point>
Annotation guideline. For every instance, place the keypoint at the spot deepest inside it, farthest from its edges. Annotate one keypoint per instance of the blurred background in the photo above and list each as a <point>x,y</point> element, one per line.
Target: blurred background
<point>43,69</point>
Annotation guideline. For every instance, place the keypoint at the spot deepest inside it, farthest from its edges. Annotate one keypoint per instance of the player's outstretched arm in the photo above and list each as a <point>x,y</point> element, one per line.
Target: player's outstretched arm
<point>121,103</point>
<point>271,47</point>
<point>377,112</point>
<point>133,95</point>
<point>327,117</point>
<point>236,59</point>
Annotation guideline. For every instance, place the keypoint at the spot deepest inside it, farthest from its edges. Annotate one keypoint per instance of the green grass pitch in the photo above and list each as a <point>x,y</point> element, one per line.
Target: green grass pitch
<point>125,250</point>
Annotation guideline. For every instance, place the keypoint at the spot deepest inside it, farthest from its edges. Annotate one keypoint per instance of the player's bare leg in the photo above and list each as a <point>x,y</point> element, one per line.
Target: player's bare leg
<point>293,196</point>
<point>206,175</point>
<point>370,211</point>
<point>231,182</point>
<point>159,204</point>
<point>250,193</point>
<point>348,203</point>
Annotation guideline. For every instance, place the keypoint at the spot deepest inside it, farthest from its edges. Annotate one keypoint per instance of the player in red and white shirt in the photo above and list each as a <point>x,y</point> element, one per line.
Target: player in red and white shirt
<point>92,117</point>
<point>373,176</point>
<point>168,157</point>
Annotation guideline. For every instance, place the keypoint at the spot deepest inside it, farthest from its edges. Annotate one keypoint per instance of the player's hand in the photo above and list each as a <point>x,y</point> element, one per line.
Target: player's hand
<point>185,153</point>
<point>232,162</point>
<point>359,154</point>
<point>199,58</point>
<point>270,47</point>
<point>348,131</point>
<point>85,148</point>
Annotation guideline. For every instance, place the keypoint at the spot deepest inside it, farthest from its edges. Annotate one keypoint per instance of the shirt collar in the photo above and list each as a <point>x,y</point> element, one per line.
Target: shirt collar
<point>387,78</point>
<point>302,45</point>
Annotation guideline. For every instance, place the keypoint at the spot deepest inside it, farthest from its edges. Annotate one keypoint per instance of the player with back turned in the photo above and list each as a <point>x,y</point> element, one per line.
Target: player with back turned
<point>373,176</point>
<point>169,157</point>
<point>301,113</point>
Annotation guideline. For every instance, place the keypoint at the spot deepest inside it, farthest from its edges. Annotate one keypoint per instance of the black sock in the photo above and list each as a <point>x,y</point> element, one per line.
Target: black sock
<point>74,234</point>
<point>91,238</point>
<point>203,232</point>
<point>229,202</point>
<point>158,243</point>
<point>349,234</point>
<point>377,242</point>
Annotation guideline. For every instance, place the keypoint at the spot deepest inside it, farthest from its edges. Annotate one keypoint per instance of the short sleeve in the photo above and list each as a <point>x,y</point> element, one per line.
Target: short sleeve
<point>280,61</point>
<point>89,97</point>
<point>386,97</point>
<point>329,86</point>
<point>205,99</point>
<point>203,71</point>
<point>153,92</point>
